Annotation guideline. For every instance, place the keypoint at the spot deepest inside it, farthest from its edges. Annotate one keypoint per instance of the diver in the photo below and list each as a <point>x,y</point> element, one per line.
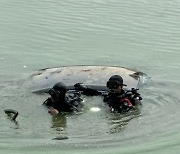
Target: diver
<point>118,99</point>
<point>59,101</point>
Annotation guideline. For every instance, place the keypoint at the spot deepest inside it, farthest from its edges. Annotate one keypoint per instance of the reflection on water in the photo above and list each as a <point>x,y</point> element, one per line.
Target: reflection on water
<point>59,121</point>
<point>92,123</point>
<point>59,124</point>
<point>119,121</point>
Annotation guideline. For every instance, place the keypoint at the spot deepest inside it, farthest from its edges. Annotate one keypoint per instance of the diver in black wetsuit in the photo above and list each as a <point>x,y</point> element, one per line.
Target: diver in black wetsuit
<point>60,102</point>
<point>118,99</point>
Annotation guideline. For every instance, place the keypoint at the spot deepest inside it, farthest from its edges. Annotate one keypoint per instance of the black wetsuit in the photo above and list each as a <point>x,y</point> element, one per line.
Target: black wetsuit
<point>122,102</point>
<point>66,104</point>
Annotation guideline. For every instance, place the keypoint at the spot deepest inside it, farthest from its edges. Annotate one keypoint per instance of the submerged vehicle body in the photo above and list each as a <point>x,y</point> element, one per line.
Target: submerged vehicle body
<point>95,76</point>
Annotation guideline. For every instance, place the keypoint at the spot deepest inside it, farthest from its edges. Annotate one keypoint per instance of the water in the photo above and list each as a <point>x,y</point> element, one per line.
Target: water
<point>137,34</point>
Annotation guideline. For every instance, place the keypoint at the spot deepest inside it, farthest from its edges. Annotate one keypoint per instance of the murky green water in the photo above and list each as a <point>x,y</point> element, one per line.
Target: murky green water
<point>137,34</point>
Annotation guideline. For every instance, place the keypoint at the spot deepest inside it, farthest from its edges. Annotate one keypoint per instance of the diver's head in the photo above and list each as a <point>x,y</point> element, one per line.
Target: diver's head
<point>115,82</point>
<point>58,90</point>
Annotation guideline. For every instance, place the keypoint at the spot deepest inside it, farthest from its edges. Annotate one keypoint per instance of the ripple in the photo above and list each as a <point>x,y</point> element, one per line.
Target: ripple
<point>39,27</point>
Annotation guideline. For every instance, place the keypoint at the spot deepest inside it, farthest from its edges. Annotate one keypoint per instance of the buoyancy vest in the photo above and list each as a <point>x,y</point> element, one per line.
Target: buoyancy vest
<point>121,102</point>
<point>71,102</point>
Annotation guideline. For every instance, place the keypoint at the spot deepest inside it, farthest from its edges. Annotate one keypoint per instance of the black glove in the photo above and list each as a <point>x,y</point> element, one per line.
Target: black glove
<point>80,87</point>
<point>86,90</point>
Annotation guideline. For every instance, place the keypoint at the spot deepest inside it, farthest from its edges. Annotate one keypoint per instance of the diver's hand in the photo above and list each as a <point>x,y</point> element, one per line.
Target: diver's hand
<point>53,111</point>
<point>80,86</point>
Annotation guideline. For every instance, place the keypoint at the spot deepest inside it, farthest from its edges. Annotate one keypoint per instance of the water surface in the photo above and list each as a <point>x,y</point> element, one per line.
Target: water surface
<point>136,34</point>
